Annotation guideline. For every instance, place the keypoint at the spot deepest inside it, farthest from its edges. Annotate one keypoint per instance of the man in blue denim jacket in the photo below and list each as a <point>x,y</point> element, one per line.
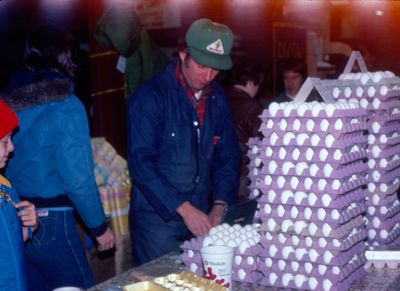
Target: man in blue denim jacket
<point>183,151</point>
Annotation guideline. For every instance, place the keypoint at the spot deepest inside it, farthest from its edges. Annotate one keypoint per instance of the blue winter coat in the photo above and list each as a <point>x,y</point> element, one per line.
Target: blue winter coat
<point>172,159</point>
<point>52,152</point>
<point>12,260</point>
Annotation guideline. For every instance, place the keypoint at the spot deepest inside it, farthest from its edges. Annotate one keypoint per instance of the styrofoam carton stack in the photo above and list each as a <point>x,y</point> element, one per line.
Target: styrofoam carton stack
<point>312,200</point>
<point>378,92</point>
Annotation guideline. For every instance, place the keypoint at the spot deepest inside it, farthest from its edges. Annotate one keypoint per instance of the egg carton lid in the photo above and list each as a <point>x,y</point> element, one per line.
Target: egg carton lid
<point>326,186</point>
<point>313,213</point>
<point>345,243</point>
<point>319,281</point>
<point>317,270</point>
<point>338,171</point>
<point>337,202</point>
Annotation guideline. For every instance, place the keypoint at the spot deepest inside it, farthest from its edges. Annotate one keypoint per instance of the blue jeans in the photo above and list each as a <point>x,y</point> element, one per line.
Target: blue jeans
<point>55,256</point>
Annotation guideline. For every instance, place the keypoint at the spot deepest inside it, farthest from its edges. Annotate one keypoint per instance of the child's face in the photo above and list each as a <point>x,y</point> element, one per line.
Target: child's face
<point>6,147</point>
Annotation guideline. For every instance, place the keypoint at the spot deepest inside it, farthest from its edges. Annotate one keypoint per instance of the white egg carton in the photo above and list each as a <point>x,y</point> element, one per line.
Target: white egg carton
<point>331,155</point>
<point>315,185</point>
<point>313,169</point>
<point>330,215</point>
<point>328,140</point>
<point>336,273</point>
<point>311,199</point>
<point>303,282</point>
<point>314,228</point>
<point>338,244</point>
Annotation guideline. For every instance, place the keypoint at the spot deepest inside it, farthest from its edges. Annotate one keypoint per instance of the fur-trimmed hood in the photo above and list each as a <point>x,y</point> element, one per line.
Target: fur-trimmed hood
<point>31,89</point>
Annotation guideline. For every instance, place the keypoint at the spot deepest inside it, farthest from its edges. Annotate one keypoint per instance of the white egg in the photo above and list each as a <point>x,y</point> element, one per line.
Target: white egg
<point>377,76</point>
<point>273,138</point>
<point>300,252</point>
<point>313,254</point>
<point>315,109</point>
<point>286,251</point>
<point>296,125</point>
<point>207,241</point>
<point>272,167</point>
<point>322,269</point>
<point>315,139</point>
<point>326,229</point>
<point>312,199</point>
<point>288,137</point>
<point>376,103</point>
<point>327,284</point>
<point>335,214</point>
<point>301,110</point>
<point>371,91</point>
<point>272,250</point>
<point>364,78</point>
<point>294,182</point>
<point>299,280</point>
<point>295,266</point>
<point>273,108</point>
<point>335,92</point>
<point>286,194</point>
<point>286,225</point>
<point>281,265</point>
<point>310,125</point>
<point>308,267</point>
<point>271,224</point>
<point>359,91</point>
<point>241,274</point>
<point>323,154</point>
<point>309,153</point>
<point>312,283</point>
<point>299,226</point>
<point>329,140</point>
<point>339,124</point>
<point>286,278</point>
<point>312,228</point>
<point>267,180</point>
<point>243,246</point>
<point>302,138</point>
<point>324,125</point>
<point>270,123</point>
<point>383,90</point>
<point>337,155</point>
<point>296,154</point>
<point>347,92</point>
<point>280,211</point>
<point>281,182</point>
<point>299,196</point>
<point>282,153</point>
<point>314,169</point>
<point>294,212</point>
<point>321,214</point>
<point>238,260</point>
<point>288,109</point>
<point>193,267</point>
<point>272,278</point>
<point>328,170</point>
<point>300,167</point>
<point>330,109</point>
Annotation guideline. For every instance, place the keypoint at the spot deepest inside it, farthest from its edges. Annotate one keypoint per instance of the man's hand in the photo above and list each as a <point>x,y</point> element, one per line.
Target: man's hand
<point>215,214</point>
<point>106,240</point>
<point>196,221</point>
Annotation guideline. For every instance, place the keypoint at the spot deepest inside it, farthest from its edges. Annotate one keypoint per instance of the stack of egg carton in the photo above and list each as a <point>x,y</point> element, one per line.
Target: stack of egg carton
<point>255,165</point>
<point>378,92</point>
<point>243,239</point>
<point>312,200</point>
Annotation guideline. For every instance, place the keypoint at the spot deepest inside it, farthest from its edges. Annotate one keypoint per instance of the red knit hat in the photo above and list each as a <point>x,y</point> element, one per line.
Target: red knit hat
<point>8,120</point>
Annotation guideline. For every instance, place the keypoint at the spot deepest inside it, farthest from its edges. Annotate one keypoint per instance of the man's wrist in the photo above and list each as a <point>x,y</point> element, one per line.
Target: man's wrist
<point>219,203</point>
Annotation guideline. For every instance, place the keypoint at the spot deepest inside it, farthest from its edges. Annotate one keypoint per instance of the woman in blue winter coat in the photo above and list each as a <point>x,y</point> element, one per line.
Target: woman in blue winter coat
<point>18,219</point>
<point>53,165</point>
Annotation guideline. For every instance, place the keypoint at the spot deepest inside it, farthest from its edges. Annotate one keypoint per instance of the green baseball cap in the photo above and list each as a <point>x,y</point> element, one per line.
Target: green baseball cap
<point>210,44</point>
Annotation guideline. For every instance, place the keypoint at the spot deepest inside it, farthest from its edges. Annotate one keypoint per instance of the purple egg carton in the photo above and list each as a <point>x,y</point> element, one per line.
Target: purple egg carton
<point>190,256</point>
<point>393,234</point>
<point>385,119</point>
<point>381,105</point>
<point>318,281</point>
<point>391,140</point>
<point>382,188</point>
<point>314,125</point>
<point>307,113</point>
<point>318,229</point>
<point>321,186</point>
<point>384,211</point>
<point>387,128</point>
<point>386,153</point>
<point>393,163</point>
<point>338,140</point>
<point>377,199</point>
<point>343,244</point>
<point>316,256</point>
<point>385,177</point>
<point>250,276</point>
<point>313,270</point>
<point>385,224</point>
<point>338,171</point>
<point>329,215</point>
<point>347,155</point>
<point>246,262</point>
<point>313,200</point>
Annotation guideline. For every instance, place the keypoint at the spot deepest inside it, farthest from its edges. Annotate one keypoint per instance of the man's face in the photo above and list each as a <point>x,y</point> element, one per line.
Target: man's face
<point>197,76</point>
<point>6,147</point>
<point>292,82</point>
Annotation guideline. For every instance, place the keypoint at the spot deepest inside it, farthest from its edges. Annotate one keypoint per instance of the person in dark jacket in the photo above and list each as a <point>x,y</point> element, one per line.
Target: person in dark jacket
<point>247,77</point>
<point>53,164</point>
<point>183,152</point>
<point>18,219</point>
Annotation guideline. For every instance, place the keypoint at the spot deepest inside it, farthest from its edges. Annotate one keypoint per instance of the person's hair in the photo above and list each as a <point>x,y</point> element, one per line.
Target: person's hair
<point>246,70</point>
<point>50,48</point>
<point>294,65</point>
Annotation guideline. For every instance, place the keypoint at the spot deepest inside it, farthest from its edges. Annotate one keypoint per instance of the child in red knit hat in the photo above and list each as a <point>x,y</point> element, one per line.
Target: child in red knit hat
<point>19,218</point>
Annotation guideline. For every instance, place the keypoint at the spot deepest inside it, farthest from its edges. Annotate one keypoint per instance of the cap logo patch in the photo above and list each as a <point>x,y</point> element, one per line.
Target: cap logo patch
<point>216,47</point>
